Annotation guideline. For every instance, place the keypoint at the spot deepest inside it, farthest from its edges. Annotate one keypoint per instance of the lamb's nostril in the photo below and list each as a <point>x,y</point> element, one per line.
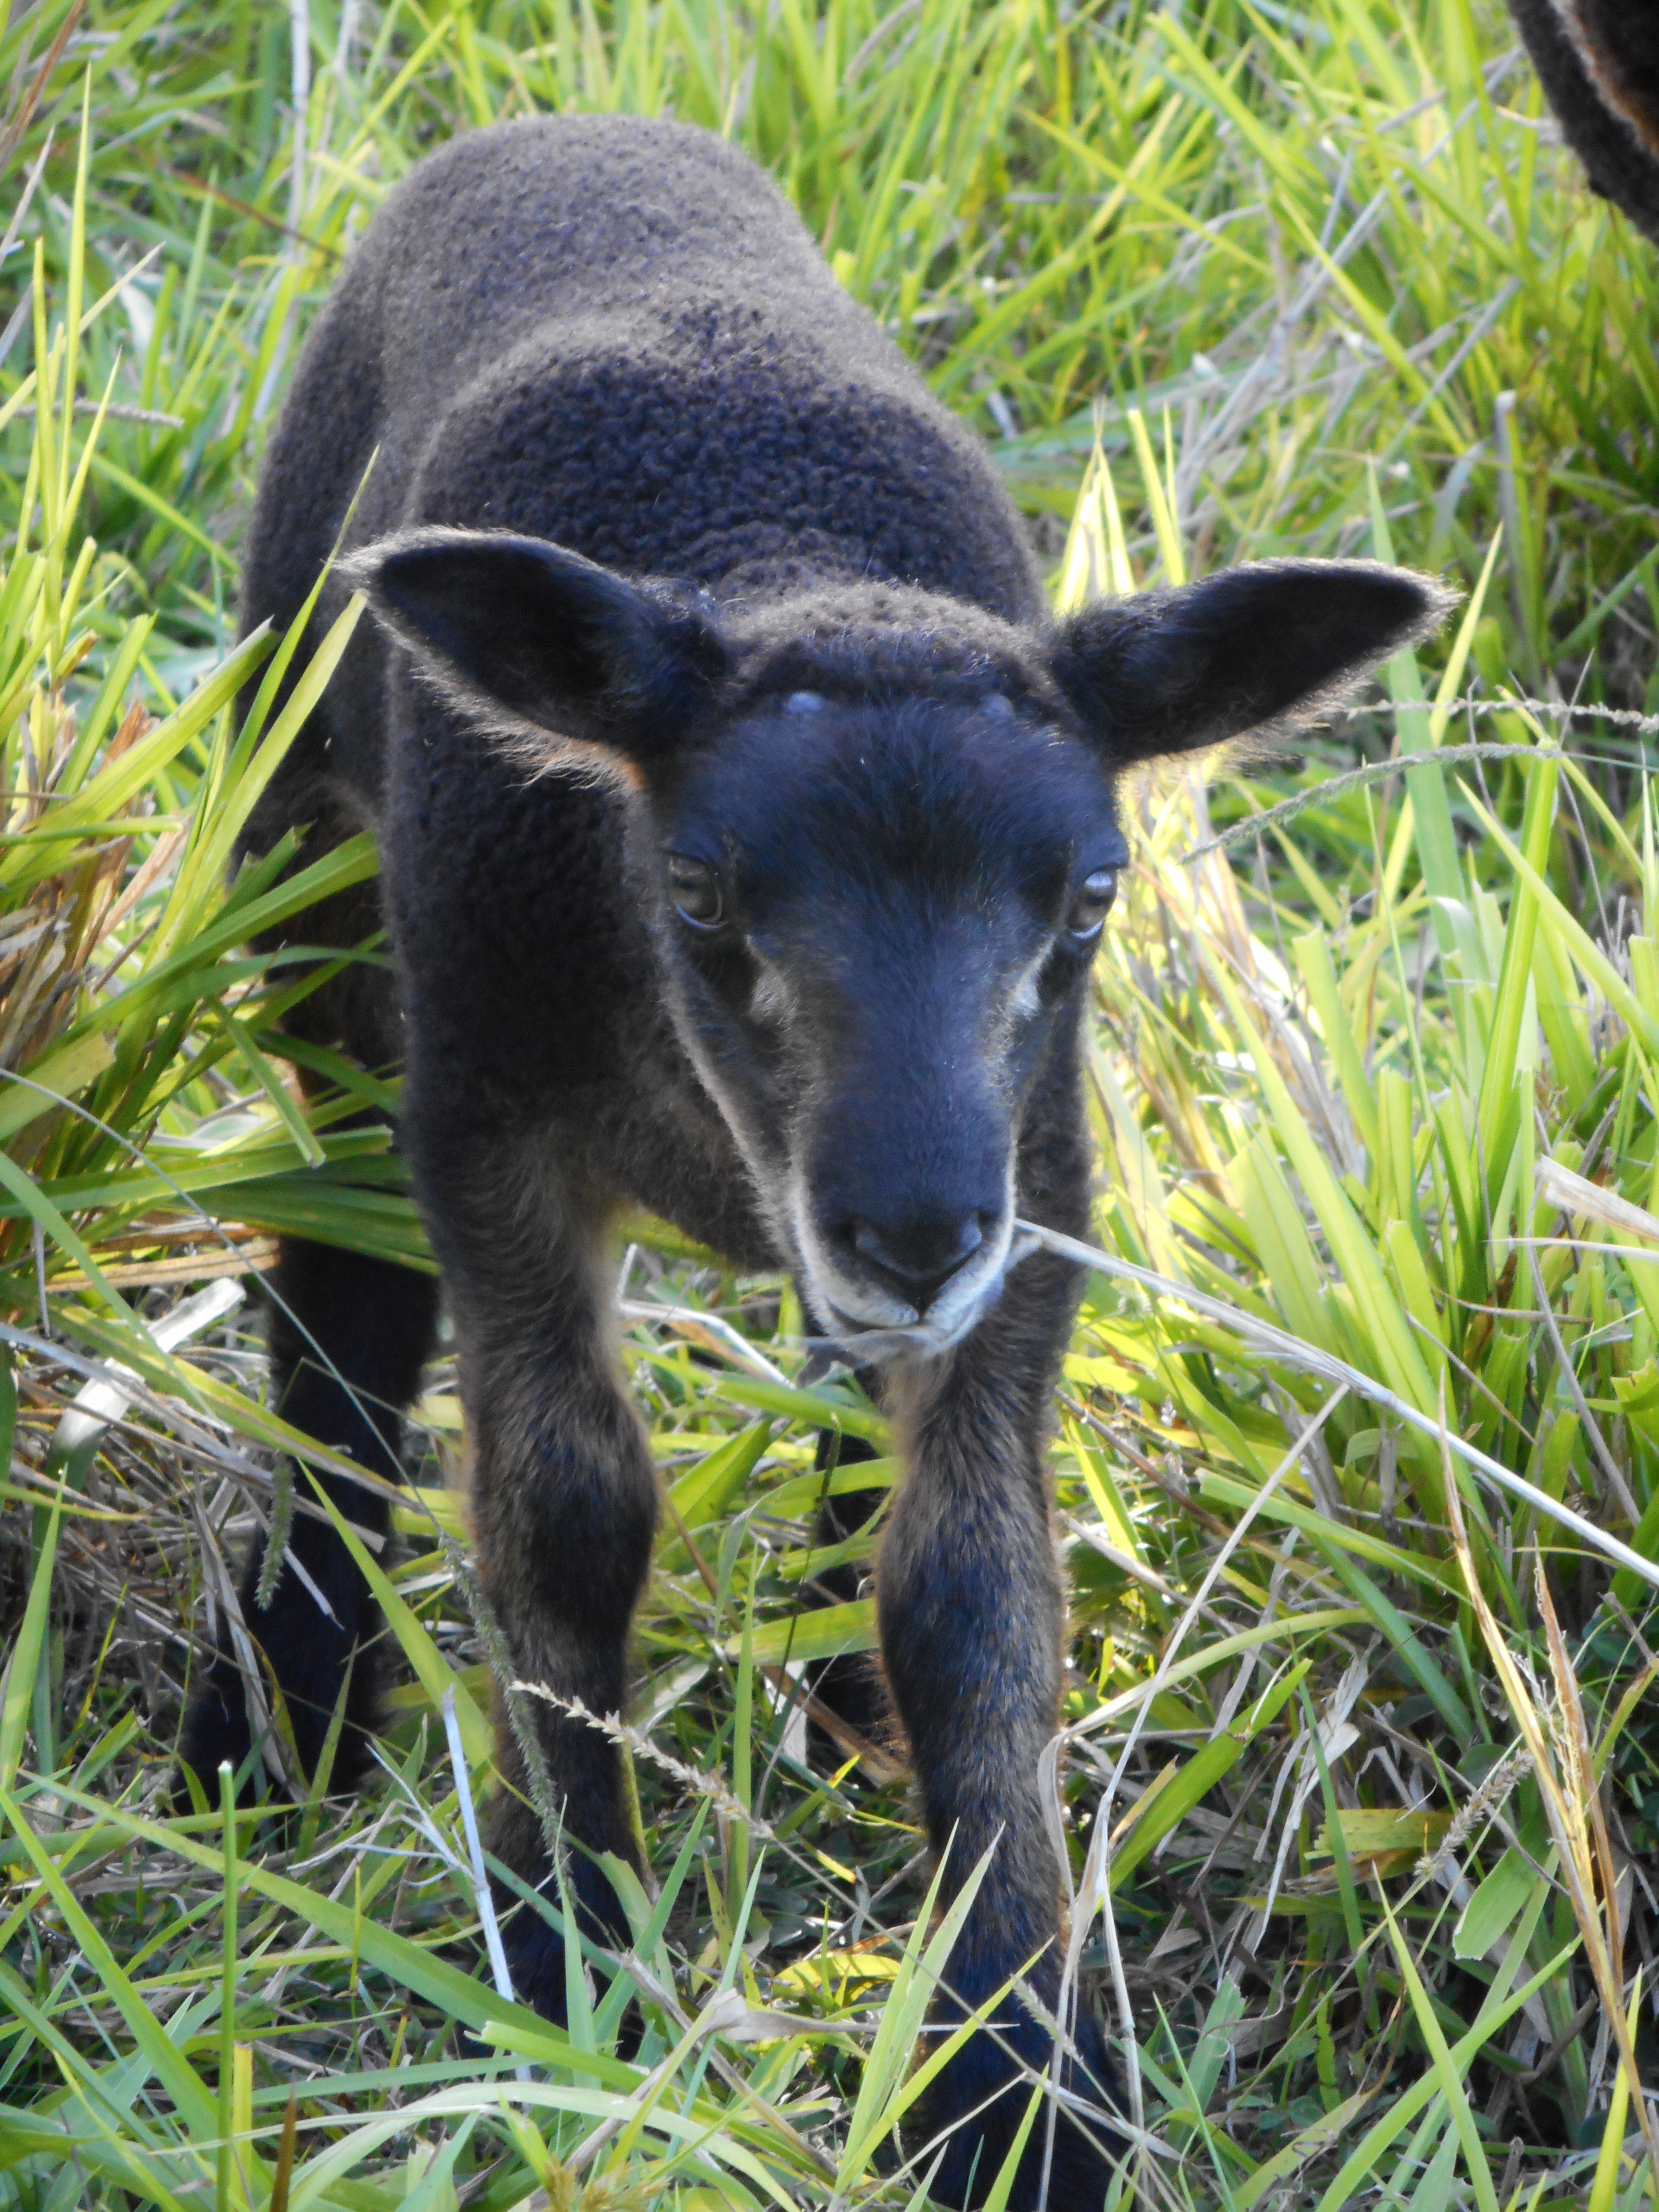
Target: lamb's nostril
<point>922,1254</point>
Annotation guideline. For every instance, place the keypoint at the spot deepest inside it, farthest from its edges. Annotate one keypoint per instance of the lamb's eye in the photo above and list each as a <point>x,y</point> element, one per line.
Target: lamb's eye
<point>696,891</point>
<point>1092,904</point>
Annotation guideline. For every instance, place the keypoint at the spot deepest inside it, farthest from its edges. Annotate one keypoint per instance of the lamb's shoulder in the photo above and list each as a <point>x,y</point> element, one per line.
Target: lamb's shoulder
<point>560,219</point>
<point>748,464</point>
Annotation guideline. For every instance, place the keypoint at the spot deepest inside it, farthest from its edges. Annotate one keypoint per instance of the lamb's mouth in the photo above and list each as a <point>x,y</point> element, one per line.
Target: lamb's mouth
<point>853,1344</point>
<point>848,1327</point>
<point>856,1347</point>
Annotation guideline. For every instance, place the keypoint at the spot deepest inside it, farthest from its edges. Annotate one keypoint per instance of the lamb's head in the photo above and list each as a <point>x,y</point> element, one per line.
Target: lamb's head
<point>878,838</point>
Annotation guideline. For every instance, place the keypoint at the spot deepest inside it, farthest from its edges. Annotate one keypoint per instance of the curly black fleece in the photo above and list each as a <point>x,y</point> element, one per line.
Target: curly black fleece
<point>1599,63</point>
<point>669,381</point>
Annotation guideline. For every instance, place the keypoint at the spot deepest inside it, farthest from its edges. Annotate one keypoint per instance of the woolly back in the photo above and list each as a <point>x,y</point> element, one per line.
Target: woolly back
<point>614,332</point>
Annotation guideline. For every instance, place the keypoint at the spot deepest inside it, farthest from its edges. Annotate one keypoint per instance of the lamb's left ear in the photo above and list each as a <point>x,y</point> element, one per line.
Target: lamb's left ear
<point>1262,649</point>
<point>520,628</point>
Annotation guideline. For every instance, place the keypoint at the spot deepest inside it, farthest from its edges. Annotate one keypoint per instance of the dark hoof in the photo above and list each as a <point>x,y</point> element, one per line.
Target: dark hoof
<point>534,1959</point>
<point>535,1947</point>
<point>854,1692</point>
<point>1086,2150</point>
<point>217,1728</point>
<point>215,1733</point>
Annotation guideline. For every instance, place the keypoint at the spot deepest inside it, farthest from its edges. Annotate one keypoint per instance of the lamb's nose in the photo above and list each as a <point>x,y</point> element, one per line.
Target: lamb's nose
<point>919,1255</point>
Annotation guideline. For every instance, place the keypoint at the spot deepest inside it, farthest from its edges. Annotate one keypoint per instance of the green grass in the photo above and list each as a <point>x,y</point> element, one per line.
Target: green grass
<point>1370,1731</point>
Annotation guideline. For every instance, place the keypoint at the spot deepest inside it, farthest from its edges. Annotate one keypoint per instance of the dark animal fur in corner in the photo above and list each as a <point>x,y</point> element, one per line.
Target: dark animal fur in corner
<point>1599,63</point>
<point>747,829</point>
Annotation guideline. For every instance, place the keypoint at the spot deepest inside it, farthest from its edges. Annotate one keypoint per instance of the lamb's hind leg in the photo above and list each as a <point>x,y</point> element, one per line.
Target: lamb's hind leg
<point>564,1506</point>
<point>851,1686</point>
<point>348,1337</point>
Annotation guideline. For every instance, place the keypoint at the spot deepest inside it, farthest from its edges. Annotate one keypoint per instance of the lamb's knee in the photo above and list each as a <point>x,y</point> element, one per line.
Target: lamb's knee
<point>565,1540</point>
<point>971,1644</point>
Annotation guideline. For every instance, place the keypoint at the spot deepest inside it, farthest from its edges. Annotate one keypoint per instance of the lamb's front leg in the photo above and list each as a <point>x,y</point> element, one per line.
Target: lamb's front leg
<point>972,1614</point>
<point>564,1506</point>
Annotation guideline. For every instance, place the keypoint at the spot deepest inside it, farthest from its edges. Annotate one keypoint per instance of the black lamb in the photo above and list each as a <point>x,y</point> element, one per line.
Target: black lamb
<point>747,829</point>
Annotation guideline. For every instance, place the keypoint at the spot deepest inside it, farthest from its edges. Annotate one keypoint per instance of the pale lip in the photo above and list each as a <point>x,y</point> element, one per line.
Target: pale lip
<point>860,1344</point>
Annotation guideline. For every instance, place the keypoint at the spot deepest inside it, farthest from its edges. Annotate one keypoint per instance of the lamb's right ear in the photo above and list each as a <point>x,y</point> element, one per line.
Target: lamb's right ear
<point>519,625</point>
<point>1258,650</point>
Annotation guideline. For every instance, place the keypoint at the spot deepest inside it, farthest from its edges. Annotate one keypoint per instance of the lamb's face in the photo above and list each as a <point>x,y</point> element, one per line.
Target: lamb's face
<point>875,919</point>
<point>877,909</point>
